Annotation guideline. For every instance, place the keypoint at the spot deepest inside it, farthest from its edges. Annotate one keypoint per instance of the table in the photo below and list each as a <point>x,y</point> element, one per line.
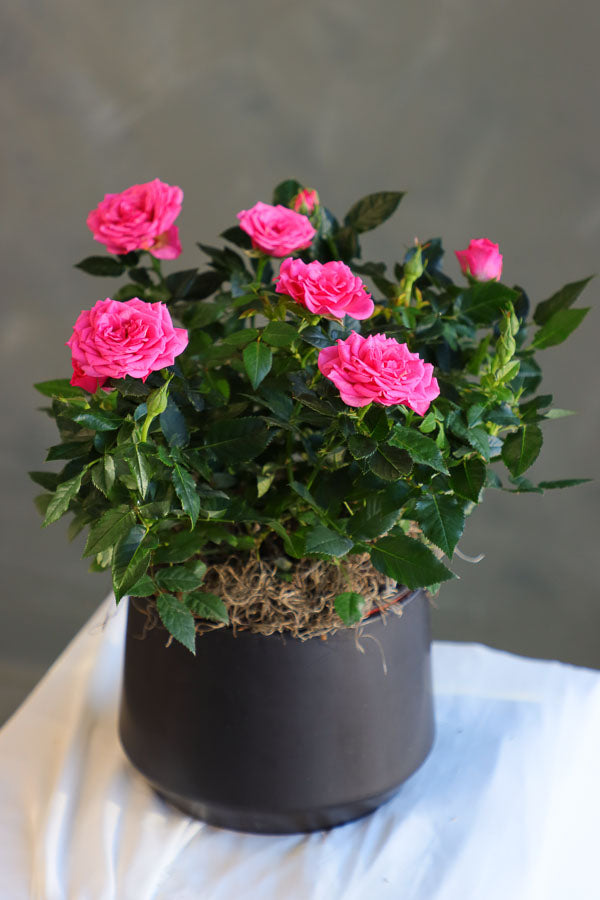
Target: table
<point>506,806</point>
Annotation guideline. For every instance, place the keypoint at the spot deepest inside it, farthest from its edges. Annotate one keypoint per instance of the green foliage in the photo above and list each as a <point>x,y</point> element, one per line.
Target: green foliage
<point>372,210</point>
<point>101,265</point>
<point>208,606</point>
<point>130,560</point>
<point>257,361</point>
<point>178,620</point>
<point>408,561</point>
<point>420,448</point>
<point>442,520</point>
<point>114,524</point>
<point>243,446</point>
<point>521,448</point>
<point>558,327</point>
<point>563,299</point>
<point>350,607</point>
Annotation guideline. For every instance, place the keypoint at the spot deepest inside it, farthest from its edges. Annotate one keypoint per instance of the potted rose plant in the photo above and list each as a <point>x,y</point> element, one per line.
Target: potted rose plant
<point>276,480</point>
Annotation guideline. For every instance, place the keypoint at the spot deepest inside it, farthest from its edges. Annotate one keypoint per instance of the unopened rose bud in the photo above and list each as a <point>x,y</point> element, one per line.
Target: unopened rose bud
<point>305,201</point>
<point>413,267</point>
<point>157,400</point>
<point>481,260</point>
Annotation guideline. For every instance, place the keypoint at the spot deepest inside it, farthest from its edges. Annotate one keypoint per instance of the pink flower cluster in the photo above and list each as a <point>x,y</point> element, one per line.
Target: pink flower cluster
<point>276,230</point>
<point>115,339</point>
<point>139,218</point>
<point>481,260</point>
<point>378,369</point>
<point>326,289</point>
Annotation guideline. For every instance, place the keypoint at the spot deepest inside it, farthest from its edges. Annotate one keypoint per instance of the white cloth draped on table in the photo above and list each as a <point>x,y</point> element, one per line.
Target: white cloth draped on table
<point>507,804</point>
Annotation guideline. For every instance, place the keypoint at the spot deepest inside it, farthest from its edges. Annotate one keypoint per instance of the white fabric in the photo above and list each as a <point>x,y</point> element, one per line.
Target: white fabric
<point>506,806</point>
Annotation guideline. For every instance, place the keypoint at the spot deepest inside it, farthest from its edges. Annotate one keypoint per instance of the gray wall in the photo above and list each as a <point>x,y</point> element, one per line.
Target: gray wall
<point>486,113</point>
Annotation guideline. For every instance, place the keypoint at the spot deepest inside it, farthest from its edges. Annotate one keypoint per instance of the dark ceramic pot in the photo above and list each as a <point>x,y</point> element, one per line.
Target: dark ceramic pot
<point>277,735</point>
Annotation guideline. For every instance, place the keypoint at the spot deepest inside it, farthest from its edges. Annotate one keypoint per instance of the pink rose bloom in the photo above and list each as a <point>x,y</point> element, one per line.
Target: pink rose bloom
<point>276,230</point>
<point>140,218</point>
<point>115,339</point>
<point>305,200</point>
<point>482,260</point>
<point>378,369</point>
<point>326,289</point>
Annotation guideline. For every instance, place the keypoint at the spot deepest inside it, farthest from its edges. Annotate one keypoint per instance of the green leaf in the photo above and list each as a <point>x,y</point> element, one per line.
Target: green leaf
<point>110,528</point>
<point>468,479</point>
<point>206,313</point>
<point>361,447</point>
<point>408,562</point>
<point>421,448</point>
<point>237,440</point>
<point>303,492</point>
<point>178,620</point>
<point>561,300</point>
<point>477,437</point>
<point>140,276</point>
<point>60,388</point>
<point>279,402</point>
<point>522,485</point>
<point>68,450</point>
<point>129,291</point>
<point>179,283</point>
<point>185,488</point>
<point>164,456</point>
<point>257,362</point>
<point>41,503</point>
<point>531,410</point>
<point>139,468</point>
<point>225,260</point>
<point>280,334</point>
<point>47,480</point>
<point>203,285</point>
<point>103,475</point>
<point>323,540</point>
<point>285,191</point>
<point>131,387</point>
<point>63,495</point>
<point>484,301</point>
<point>181,546</point>
<point>241,338</point>
<point>316,337</point>
<point>390,463</point>
<point>179,578</point>
<point>235,235</point>
<point>98,420</point>
<point>208,606</point>
<point>559,327</point>
<point>503,416</point>
<point>442,520</point>
<point>101,265</point>
<point>379,515</point>
<point>559,413</point>
<point>350,607</point>
<point>562,483</point>
<point>145,587</point>
<point>521,449</point>
<point>130,560</point>
<point>173,425</point>
<point>377,422</point>
<point>372,210</point>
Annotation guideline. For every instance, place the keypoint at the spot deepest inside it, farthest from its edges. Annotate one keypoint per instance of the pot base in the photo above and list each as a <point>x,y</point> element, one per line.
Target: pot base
<point>264,822</point>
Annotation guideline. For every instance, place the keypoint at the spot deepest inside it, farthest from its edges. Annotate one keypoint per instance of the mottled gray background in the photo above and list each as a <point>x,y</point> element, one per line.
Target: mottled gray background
<point>486,113</point>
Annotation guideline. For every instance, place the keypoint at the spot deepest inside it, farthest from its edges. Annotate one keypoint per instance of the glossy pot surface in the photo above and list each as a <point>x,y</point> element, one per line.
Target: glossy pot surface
<point>277,735</point>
